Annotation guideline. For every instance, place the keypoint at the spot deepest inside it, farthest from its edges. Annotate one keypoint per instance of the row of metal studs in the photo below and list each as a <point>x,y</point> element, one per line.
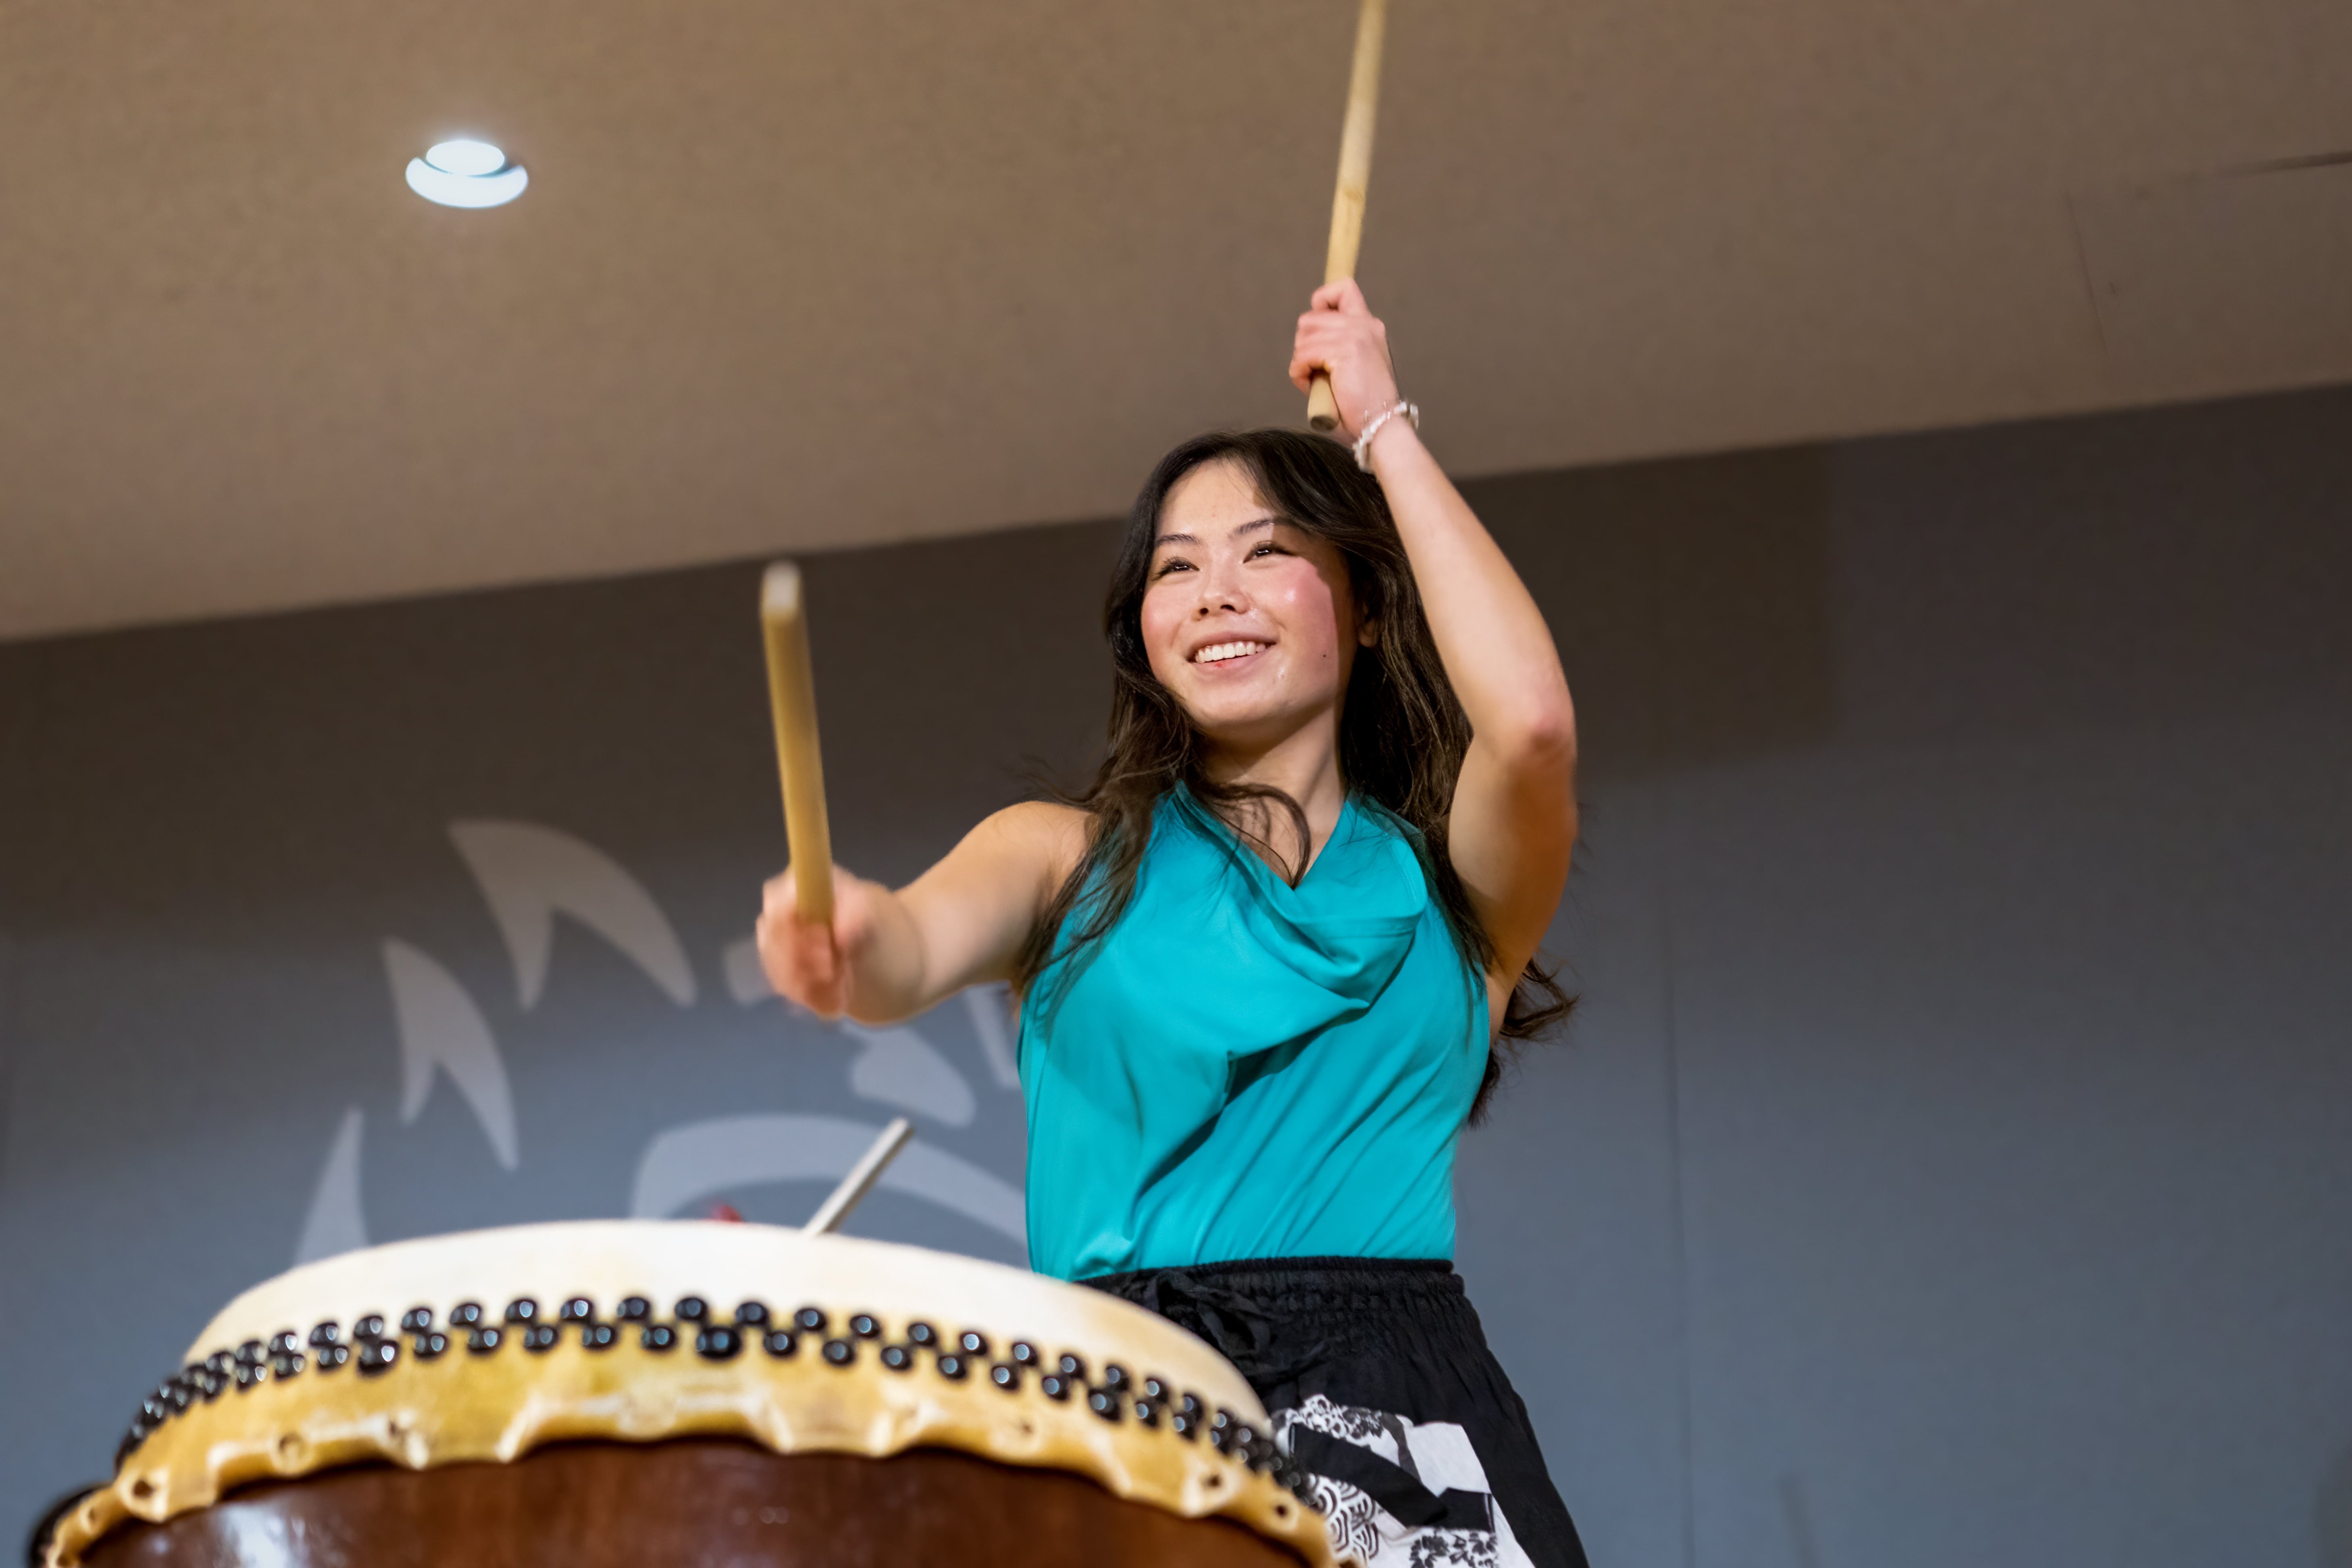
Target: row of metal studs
<point>375,1349</point>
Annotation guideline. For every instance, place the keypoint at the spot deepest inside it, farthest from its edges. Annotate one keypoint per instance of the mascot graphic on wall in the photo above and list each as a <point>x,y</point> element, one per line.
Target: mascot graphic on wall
<point>529,875</point>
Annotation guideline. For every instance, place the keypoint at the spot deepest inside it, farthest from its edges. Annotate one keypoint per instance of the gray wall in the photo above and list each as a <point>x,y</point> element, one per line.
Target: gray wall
<point>1951,1162</point>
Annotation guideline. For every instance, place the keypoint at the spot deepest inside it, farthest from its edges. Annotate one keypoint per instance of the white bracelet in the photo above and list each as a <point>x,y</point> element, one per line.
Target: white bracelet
<point>1372,428</point>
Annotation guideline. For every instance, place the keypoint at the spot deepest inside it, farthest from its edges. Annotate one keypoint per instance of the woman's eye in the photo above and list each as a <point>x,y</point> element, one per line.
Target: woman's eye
<point>1165,567</point>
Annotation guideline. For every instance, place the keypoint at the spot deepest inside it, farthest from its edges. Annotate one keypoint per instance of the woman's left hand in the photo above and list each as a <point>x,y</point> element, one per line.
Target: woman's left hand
<point>1341,337</point>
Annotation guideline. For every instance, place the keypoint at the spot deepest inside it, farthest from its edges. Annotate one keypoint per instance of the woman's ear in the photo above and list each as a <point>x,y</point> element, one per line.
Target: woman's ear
<point>1368,634</point>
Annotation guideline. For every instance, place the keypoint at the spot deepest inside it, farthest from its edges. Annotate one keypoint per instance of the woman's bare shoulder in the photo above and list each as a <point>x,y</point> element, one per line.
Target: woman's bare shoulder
<point>1042,833</point>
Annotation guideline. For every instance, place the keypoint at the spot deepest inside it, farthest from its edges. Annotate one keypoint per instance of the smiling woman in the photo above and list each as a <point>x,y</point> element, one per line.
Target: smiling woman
<point>1266,957</point>
<point>1257,568</point>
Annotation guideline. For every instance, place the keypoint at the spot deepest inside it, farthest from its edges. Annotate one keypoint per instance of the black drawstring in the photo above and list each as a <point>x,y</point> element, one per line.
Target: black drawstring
<point>1399,1492</point>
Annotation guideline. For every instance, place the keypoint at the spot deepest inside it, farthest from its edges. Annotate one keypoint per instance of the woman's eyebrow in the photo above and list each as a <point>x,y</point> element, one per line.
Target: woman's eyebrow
<point>1188,539</point>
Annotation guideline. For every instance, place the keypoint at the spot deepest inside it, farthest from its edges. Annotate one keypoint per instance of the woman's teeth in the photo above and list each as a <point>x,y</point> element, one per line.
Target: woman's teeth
<point>1217,653</point>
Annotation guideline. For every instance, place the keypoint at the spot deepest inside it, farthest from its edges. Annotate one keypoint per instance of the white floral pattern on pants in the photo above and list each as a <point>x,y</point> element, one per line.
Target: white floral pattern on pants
<point>1437,1454</point>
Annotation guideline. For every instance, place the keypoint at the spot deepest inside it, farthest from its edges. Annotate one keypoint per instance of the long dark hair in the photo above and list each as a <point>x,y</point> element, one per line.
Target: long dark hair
<point>1403,733</point>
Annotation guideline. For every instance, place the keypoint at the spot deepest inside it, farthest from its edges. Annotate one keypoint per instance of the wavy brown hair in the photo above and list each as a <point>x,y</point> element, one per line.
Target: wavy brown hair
<point>1403,733</point>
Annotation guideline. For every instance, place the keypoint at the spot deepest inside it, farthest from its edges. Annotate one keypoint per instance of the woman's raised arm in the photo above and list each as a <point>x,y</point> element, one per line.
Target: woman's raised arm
<point>1513,819</point>
<point>888,956</point>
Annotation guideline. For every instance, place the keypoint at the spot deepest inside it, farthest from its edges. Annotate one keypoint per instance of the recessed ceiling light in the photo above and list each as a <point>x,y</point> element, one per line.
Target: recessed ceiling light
<point>466,174</point>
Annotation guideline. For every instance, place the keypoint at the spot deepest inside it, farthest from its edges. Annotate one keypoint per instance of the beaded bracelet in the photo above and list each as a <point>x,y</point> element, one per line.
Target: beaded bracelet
<point>1372,428</point>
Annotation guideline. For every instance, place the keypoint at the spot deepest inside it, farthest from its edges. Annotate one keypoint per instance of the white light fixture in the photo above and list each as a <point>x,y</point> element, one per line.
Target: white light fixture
<point>466,174</point>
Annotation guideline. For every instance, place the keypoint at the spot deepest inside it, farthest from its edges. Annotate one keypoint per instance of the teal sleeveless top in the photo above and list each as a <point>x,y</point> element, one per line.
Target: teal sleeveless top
<point>1240,1069</point>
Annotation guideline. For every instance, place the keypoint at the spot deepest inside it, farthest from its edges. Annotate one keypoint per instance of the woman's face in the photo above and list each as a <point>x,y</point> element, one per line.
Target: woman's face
<point>1249,620</point>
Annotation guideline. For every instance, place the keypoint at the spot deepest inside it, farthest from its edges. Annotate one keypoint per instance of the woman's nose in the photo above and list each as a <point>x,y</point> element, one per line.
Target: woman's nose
<point>1220,591</point>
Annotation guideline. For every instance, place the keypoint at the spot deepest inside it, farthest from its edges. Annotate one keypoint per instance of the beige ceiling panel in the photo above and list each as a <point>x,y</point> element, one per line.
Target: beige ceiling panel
<point>801,273</point>
<point>2229,282</point>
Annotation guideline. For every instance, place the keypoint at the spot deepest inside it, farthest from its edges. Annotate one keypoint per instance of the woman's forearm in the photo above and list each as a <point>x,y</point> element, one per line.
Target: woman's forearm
<point>964,920</point>
<point>1497,651</point>
<point>888,980</point>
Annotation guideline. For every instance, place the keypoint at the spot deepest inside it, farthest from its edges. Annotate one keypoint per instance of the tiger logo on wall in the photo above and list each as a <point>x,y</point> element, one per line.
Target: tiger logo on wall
<point>541,885</point>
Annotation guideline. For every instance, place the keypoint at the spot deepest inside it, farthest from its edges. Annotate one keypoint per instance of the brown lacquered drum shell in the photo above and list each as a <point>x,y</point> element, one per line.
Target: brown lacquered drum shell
<point>691,1504</point>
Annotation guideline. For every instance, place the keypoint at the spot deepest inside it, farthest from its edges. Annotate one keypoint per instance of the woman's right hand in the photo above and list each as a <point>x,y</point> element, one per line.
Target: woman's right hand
<point>815,964</point>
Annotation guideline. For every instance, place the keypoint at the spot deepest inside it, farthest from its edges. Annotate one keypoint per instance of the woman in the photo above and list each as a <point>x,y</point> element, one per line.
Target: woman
<point>1263,957</point>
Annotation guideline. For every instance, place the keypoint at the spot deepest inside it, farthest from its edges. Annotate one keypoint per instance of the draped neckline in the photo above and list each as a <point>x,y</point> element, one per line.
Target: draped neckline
<point>1224,833</point>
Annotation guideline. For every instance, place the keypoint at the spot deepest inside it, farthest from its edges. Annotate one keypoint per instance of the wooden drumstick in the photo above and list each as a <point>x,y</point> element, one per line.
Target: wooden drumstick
<point>1355,174</point>
<point>792,695</point>
<point>861,1178</point>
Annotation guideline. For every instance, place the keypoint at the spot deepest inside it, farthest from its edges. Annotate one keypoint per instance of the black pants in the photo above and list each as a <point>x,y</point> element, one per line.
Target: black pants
<point>1374,1337</point>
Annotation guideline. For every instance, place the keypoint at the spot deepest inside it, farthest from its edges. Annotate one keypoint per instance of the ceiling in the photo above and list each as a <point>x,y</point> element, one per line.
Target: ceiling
<point>794,275</point>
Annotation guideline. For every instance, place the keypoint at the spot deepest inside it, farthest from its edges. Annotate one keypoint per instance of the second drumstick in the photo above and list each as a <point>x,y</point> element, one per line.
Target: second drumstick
<point>1355,175</point>
<point>791,697</point>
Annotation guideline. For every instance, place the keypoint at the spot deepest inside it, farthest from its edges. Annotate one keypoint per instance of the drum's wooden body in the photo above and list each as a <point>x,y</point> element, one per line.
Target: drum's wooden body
<point>700,1504</point>
<point>574,1395</point>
